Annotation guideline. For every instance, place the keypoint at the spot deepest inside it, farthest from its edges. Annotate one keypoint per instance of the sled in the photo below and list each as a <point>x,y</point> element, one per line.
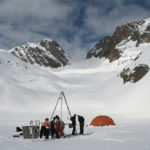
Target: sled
<point>16,136</point>
<point>70,135</point>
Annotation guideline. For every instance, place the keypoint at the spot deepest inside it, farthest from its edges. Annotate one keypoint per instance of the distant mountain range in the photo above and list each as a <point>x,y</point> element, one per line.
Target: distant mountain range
<point>126,46</point>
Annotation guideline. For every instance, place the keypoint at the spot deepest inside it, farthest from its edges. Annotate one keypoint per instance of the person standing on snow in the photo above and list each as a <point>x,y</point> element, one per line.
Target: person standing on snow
<point>81,123</point>
<point>73,119</point>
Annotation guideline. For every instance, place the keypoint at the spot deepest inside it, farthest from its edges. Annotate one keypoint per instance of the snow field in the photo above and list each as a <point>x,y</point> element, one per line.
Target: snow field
<point>92,88</point>
<point>126,135</point>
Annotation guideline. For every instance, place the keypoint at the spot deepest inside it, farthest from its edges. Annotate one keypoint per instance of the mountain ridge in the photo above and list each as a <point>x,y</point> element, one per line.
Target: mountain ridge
<point>126,47</point>
<point>126,40</point>
<point>46,53</point>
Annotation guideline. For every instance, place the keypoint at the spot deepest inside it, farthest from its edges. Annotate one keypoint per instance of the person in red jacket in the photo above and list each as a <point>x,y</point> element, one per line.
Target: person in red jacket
<point>59,126</point>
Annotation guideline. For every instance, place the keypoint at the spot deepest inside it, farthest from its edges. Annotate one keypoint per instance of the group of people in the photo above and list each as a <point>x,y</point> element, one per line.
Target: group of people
<point>81,124</point>
<point>56,125</point>
<point>55,128</point>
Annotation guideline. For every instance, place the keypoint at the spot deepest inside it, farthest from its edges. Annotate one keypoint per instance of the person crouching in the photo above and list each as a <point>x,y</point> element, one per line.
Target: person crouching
<point>45,129</point>
<point>42,131</point>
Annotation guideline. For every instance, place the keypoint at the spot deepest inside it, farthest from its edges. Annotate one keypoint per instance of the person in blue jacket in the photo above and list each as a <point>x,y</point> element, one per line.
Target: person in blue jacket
<point>73,119</point>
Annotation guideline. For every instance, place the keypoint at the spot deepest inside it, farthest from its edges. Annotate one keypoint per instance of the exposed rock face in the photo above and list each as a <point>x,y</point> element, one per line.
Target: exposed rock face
<point>105,48</point>
<point>130,31</point>
<point>126,47</point>
<point>47,53</point>
<point>134,75</point>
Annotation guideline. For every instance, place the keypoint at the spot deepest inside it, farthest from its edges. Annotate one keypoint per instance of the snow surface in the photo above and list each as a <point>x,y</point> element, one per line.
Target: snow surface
<point>125,135</point>
<point>144,26</point>
<point>92,87</point>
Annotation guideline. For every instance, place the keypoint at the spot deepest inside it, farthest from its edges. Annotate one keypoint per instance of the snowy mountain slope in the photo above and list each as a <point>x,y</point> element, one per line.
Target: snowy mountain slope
<point>92,88</point>
<point>21,82</point>
<point>47,53</point>
<point>128,47</point>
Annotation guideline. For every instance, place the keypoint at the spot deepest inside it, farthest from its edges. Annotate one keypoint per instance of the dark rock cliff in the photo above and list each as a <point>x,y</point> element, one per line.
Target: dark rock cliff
<point>47,53</point>
<point>107,47</point>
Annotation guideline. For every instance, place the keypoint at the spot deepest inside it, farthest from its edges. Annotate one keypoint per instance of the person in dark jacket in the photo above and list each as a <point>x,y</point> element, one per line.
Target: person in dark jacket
<point>53,129</point>
<point>81,123</point>
<point>73,119</point>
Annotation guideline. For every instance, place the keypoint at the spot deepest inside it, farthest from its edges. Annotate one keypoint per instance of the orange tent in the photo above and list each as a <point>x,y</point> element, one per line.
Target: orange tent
<point>102,121</point>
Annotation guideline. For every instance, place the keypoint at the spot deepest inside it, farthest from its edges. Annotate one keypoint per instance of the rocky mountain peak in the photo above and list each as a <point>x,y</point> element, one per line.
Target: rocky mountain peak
<point>126,47</point>
<point>136,31</point>
<point>46,53</point>
<point>47,43</point>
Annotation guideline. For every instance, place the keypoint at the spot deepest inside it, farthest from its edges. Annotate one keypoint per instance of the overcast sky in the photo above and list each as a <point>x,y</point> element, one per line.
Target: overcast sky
<point>76,24</point>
